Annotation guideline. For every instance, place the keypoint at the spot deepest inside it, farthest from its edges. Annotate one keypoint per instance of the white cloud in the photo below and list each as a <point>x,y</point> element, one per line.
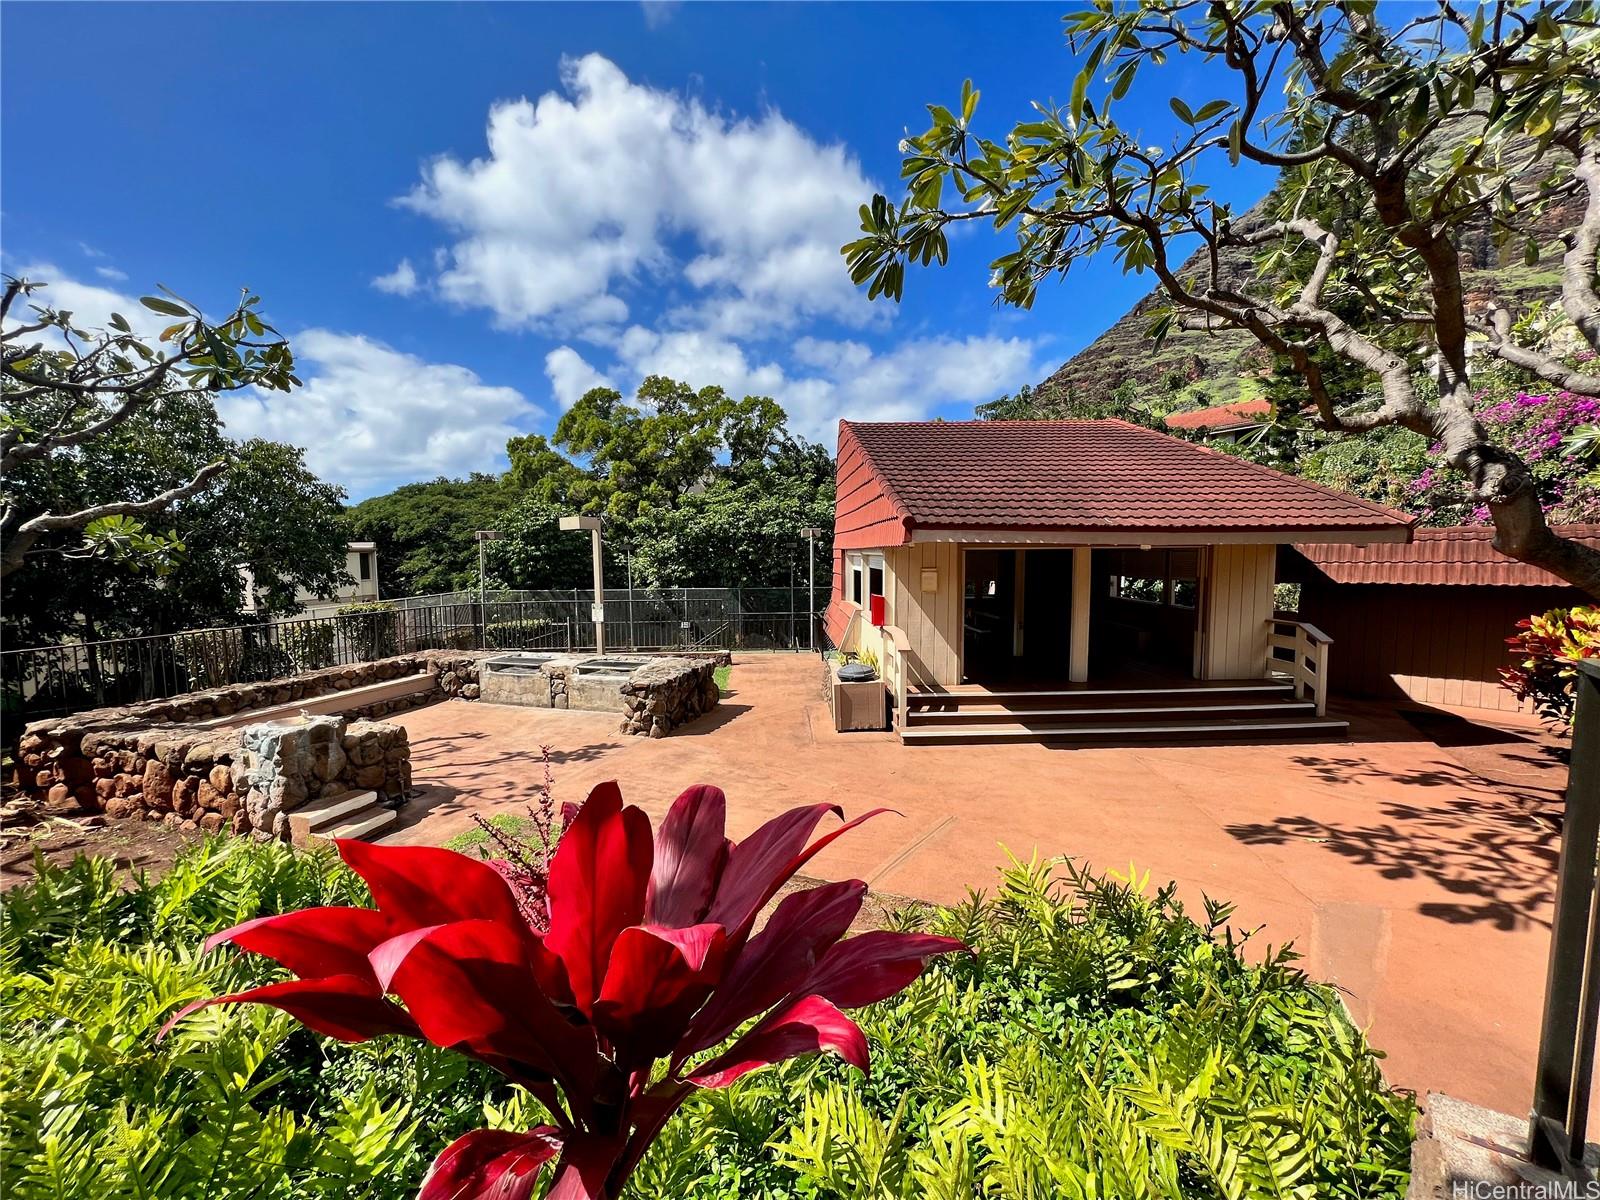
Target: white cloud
<point>614,188</point>
<point>111,273</point>
<point>847,379</point>
<point>571,376</point>
<point>90,304</point>
<point>370,416</point>
<point>402,281</point>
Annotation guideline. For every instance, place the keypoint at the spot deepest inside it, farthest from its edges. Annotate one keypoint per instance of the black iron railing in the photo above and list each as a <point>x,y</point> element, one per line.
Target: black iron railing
<point>47,681</point>
<point>1565,1078</point>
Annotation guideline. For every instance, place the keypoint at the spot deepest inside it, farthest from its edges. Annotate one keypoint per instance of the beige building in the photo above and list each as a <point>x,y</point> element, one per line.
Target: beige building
<point>361,566</point>
<point>1004,574</point>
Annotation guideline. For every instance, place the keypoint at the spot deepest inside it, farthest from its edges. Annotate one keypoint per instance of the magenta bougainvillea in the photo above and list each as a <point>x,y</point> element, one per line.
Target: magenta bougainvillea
<point>1537,427</point>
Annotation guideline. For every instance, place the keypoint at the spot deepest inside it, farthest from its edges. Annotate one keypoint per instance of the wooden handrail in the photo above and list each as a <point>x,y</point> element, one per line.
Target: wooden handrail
<point>1314,635</point>
<point>898,644</point>
<point>1309,666</point>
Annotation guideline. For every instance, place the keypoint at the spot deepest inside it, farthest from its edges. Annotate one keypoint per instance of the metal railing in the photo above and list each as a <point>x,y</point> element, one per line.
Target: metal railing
<point>1567,1037</point>
<point>48,681</point>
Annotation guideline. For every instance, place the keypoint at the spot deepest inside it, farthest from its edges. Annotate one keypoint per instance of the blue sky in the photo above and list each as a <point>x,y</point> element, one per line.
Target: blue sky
<point>466,215</point>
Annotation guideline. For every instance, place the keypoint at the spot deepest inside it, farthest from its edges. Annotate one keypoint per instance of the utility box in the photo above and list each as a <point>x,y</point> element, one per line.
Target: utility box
<point>857,705</point>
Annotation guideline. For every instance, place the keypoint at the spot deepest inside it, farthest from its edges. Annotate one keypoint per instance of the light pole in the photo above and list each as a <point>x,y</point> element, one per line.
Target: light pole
<point>811,533</point>
<point>598,610</point>
<point>484,535</point>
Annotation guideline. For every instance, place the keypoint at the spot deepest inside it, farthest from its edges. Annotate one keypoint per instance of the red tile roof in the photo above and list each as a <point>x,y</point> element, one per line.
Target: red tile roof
<point>1240,413</point>
<point>1069,476</point>
<point>1455,555</point>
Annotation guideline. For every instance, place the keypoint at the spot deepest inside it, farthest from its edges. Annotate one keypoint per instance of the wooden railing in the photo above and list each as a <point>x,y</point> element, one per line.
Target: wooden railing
<point>1307,664</point>
<point>894,669</point>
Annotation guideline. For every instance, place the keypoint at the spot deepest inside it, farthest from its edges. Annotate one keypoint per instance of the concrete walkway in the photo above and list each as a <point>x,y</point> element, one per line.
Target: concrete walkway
<point>1413,867</point>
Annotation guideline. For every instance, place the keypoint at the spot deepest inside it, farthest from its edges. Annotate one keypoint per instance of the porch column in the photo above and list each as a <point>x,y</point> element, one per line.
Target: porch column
<point>1078,641</point>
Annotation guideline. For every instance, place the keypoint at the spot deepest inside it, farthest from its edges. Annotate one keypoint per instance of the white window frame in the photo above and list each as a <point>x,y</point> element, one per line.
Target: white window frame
<point>864,563</point>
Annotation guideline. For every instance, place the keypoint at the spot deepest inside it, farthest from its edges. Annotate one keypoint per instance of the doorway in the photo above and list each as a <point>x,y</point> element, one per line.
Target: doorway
<point>1144,616</point>
<point>1016,616</point>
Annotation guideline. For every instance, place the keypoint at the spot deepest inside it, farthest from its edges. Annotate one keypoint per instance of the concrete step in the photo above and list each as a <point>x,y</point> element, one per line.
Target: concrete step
<point>1142,733</point>
<point>1218,693</point>
<point>326,811</point>
<point>1125,714</point>
<point>363,829</point>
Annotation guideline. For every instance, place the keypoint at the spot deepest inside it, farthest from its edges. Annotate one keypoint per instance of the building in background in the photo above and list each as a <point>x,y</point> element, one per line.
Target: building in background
<point>361,565</point>
<point>1425,620</point>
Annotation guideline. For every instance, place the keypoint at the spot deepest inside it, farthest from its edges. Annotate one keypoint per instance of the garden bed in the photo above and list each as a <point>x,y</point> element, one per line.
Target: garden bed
<point>1100,1039</point>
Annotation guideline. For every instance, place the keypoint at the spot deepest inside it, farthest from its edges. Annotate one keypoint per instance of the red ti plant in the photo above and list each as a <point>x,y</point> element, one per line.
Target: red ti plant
<point>648,959</point>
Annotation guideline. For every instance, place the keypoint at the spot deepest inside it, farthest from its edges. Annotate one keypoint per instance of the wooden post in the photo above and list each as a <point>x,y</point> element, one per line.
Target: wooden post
<point>1565,1067</point>
<point>1078,639</point>
<point>1019,615</point>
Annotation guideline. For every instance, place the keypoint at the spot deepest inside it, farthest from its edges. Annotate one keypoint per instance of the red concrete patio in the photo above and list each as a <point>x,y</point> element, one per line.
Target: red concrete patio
<point>1413,866</point>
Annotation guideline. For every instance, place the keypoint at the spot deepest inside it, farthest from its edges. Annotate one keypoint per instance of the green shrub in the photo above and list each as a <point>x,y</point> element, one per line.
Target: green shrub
<point>211,658</point>
<point>524,634</point>
<point>1099,1043</point>
<point>240,1103</point>
<point>370,630</point>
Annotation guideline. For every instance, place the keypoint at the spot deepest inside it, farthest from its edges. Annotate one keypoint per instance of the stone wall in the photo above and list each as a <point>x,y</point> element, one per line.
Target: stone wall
<point>289,763</point>
<point>654,697</point>
<point>244,780</point>
<point>662,695</point>
<point>136,759</point>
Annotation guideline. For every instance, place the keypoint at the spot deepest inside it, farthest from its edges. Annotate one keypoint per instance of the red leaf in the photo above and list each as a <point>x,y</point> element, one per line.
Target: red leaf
<point>689,854</point>
<point>774,962</point>
<point>470,984</point>
<point>655,981</point>
<point>764,861</point>
<point>427,885</point>
<point>587,1160</point>
<point>340,1006</point>
<point>597,886</point>
<point>313,942</point>
<point>865,969</point>
<point>807,1025</point>
<point>494,1163</point>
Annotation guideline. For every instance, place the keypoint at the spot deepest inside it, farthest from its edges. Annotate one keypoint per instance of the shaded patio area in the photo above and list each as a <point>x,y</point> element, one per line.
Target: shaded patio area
<point>1413,866</point>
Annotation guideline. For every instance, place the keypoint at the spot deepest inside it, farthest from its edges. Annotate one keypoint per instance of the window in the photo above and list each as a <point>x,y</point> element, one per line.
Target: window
<point>1169,577</point>
<point>366,564</point>
<point>1139,589</point>
<point>866,573</point>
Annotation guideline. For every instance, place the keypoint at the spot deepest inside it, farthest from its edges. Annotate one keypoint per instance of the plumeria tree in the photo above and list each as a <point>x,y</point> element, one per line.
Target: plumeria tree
<point>65,388</point>
<point>1399,132</point>
<point>629,976</point>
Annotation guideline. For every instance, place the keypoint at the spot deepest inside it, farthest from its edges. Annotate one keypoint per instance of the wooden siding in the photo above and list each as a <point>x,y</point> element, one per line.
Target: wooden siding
<point>1431,644</point>
<point>865,515</point>
<point>1237,603</point>
<point>931,620</point>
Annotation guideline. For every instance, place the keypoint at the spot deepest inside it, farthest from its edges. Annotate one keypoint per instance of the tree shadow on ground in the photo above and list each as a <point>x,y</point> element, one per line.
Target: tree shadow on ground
<point>1497,859</point>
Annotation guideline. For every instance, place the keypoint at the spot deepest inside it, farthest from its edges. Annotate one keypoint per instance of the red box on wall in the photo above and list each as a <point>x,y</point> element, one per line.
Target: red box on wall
<point>878,610</point>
